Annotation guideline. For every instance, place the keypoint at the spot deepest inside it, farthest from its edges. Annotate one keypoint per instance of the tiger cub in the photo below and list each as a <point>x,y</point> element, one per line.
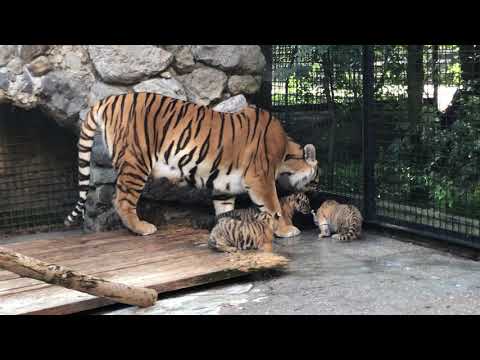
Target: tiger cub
<point>289,205</point>
<point>248,229</point>
<point>232,234</point>
<point>345,221</point>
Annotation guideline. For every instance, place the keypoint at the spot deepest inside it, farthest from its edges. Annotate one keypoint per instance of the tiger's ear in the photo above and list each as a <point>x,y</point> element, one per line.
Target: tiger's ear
<point>310,154</point>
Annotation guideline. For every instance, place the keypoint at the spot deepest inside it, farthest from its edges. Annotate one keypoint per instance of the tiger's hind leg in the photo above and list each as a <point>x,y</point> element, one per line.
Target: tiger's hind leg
<point>130,184</point>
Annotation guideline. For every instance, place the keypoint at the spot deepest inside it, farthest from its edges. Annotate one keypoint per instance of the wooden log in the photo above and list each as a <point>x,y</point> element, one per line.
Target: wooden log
<point>68,278</point>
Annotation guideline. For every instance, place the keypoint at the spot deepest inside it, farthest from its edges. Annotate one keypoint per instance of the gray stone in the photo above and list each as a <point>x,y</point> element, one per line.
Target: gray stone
<point>65,93</point>
<point>184,61</point>
<point>107,220</point>
<point>101,90</point>
<point>100,156</point>
<point>102,175</point>
<point>128,64</point>
<point>100,199</point>
<point>24,84</point>
<point>7,53</point>
<point>73,61</point>
<point>204,85</point>
<point>233,104</point>
<point>30,52</point>
<point>40,66</point>
<point>237,58</point>
<point>252,60</point>
<point>5,79</point>
<point>225,57</point>
<point>243,85</point>
<point>168,87</point>
<point>15,66</point>
<point>105,194</point>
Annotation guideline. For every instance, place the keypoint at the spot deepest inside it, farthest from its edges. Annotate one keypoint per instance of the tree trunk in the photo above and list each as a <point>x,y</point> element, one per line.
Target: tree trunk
<point>435,75</point>
<point>59,275</point>
<point>415,83</point>
<point>328,89</point>
<point>292,63</point>
<point>466,54</point>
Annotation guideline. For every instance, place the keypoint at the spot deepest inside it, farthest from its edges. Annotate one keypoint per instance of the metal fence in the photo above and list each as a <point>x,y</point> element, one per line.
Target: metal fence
<point>397,128</point>
<point>38,176</point>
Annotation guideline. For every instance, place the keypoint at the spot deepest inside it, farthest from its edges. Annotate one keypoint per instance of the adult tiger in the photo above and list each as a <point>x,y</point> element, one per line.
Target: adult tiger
<point>229,153</point>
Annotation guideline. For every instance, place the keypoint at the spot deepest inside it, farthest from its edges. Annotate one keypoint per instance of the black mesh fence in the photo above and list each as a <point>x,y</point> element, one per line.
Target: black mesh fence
<point>38,184</point>
<point>397,128</point>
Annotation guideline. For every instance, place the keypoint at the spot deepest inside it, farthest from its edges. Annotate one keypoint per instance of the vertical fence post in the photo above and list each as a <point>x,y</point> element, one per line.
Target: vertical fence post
<point>263,97</point>
<point>368,134</point>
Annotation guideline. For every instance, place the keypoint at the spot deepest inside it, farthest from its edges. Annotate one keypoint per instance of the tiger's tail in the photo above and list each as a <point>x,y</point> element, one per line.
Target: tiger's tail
<point>85,143</point>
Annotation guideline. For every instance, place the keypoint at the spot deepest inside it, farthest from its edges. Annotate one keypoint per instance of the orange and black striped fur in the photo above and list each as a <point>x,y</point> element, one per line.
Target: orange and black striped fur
<point>232,234</point>
<point>289,204</point>
<point>345,221</point>
<point>149,134</point>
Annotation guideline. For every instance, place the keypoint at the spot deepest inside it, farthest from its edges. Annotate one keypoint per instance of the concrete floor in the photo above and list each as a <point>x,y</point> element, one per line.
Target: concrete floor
<point>377,275</point>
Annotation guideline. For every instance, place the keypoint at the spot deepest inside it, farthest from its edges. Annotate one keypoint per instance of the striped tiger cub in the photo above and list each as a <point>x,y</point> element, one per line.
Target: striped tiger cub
<point>148,134</point>
<point>232,234</point>
<point>289,204</point>
<point>345,221</point>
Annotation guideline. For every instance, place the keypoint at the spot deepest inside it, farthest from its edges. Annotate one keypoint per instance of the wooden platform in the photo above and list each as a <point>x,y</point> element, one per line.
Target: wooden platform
<point>171,259</point>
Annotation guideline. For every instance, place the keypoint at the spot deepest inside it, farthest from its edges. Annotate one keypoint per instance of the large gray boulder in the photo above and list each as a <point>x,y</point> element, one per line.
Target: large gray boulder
<point>7,53</point>
<point>29,52</point>
<point>204,85</point>
<point>40,66</point>
<point>6,79</point>
<point>184,61</point>
<point>65,94</point>
<point>101,90</point>
<point>233,58</point>
<point>128,64</point>
<point>247,84</point>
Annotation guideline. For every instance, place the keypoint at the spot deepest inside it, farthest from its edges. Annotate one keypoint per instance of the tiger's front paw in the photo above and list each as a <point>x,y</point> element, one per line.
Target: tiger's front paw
<point>144,228</point>
<point>288,231</point>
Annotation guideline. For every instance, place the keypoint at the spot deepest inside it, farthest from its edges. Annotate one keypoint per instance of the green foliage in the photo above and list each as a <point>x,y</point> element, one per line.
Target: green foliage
<point>441,166</point>
<point>426,165</point>
<point>304,70</point>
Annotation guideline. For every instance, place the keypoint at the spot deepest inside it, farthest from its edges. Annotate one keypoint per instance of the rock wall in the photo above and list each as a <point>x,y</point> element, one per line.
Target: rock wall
<point>65,80</point>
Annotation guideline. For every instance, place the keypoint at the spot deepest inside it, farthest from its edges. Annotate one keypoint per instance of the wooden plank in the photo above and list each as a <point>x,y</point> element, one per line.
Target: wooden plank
<point>95,248</point>
<point>171,259</point>
<point>98,265</point>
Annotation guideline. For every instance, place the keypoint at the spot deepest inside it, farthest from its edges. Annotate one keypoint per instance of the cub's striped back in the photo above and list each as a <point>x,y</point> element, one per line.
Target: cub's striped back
<point>232,234</point>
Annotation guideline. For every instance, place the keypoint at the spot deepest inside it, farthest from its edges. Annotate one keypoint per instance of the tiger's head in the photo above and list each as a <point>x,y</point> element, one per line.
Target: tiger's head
<point>298,168</point>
